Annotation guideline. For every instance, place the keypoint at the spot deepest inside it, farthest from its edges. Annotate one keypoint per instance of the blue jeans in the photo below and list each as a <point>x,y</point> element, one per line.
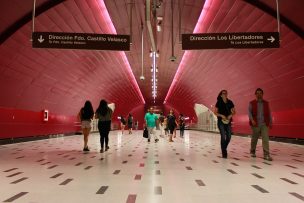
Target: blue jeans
<point>225,131</point>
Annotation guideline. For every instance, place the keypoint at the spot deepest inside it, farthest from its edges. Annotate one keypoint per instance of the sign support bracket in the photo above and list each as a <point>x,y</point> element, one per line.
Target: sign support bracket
<point>33,19</point>
<point>278,19</point>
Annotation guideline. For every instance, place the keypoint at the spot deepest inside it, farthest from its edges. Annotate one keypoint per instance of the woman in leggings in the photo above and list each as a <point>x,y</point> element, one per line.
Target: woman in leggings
<point>104,116</point>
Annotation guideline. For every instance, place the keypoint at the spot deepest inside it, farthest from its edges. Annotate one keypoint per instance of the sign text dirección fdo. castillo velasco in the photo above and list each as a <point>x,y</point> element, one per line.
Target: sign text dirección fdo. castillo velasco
<point>243,40</point>
<point>60,40</point>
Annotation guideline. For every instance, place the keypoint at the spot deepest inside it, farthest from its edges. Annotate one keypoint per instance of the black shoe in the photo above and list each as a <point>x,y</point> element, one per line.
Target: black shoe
<point>86,149</point>
<point>224,155</point>
<point>107,148</point>
<point>156,140</point>
<point>253,155</point>
<point>148,140</point>
<point>101,151</point>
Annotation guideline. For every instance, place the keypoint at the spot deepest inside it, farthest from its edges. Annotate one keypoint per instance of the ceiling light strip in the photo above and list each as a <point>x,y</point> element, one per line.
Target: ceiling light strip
<point>186,55</point>
<point>154,75</point>
<point>111,29</point>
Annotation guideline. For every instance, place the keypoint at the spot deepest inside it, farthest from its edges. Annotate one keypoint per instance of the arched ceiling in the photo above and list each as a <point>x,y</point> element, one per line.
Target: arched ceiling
<point>280,72</point>
<point>61,80</point>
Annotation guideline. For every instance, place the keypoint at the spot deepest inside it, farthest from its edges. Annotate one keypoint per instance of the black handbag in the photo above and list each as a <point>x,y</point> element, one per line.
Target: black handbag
<point>145,133</point>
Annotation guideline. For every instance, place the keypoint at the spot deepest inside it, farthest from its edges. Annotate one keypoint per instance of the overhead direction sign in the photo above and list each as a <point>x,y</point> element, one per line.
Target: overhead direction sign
<point>61,40</point>
<point>241,40</point>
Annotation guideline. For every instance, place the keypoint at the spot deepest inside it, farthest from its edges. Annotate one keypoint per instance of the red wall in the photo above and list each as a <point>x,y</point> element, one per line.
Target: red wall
<point>285,124</point>
<point>23,123</point>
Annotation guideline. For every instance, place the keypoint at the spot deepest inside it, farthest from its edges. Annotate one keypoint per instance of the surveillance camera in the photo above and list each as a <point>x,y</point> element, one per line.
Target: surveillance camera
<point>172,58</point>
<point>142,77</point>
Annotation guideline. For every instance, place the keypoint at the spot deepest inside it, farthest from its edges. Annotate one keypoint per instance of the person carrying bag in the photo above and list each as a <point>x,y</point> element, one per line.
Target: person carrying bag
<point>146,133</point>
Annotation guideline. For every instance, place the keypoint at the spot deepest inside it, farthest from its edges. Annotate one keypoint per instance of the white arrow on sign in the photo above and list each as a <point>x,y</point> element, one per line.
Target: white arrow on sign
<point>40,39</point>
<point>271,39</point>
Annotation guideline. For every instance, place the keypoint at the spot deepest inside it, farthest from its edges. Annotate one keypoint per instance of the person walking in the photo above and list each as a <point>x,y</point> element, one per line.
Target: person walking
<point>122,124</point>
<point>86,115</point>
<point>181,122</point>
<point>130,123</point>
<point>260,120</point>
<point>161,124</point>
<point>224,110</point>
<point>151,120</point>
<point>171,124</point>
<point>104,116</point>
<point>136,125</point>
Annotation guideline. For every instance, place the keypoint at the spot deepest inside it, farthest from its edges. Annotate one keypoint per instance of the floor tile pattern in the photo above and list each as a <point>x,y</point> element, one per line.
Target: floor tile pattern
<point>190,169</point>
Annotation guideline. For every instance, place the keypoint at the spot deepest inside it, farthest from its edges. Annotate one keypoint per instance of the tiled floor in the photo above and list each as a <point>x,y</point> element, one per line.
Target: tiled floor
<point>188,170</point>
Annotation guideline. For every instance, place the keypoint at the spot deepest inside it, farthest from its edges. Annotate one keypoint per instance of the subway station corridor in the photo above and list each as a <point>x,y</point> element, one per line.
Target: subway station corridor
<point>213,67</point>
<point>188,170</point>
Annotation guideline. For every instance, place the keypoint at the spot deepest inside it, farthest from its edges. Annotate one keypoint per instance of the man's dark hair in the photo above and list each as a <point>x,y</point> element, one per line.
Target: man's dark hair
<point>259,89</point>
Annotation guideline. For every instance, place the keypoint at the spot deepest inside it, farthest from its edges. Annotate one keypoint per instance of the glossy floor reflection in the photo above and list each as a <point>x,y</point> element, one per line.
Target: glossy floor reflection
<point>187,170</point>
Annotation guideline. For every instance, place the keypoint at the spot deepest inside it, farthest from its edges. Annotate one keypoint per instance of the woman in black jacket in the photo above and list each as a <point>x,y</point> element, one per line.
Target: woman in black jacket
<point>224,110</point>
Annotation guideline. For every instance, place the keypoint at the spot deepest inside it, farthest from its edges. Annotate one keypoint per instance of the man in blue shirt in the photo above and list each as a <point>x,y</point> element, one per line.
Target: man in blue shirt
<point>151,120</point>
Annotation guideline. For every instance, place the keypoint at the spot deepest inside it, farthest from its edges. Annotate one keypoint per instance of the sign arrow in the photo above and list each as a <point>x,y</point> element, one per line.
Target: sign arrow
<point>271,39</point>
<point>40,39</point>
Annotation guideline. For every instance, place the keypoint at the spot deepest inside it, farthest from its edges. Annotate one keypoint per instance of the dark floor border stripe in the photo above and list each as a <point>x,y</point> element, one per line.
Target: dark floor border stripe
<point>291,166</point>
<point>200,183</point>
<point>262,190</point>
<point>19,180</point>
<point>257,175</point>
<point>14,174</point>
<point>52,166</point>
<point>57,175</point>
<point>289,181</point>
<point>158,190</point>
<point>257,167</point>
<point>40,160</point>
<point>66,181</point>
<point>9,170</point>
<point>102,189</point>
<point>137,177</point>
<point>297,195</point>
<point>299,175</point>
<point>15,197</point>
<point>131,198</point>
<point>231,171</point>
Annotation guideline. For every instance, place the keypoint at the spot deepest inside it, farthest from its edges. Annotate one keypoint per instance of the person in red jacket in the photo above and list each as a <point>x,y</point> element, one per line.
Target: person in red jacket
<point>260,120</point>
